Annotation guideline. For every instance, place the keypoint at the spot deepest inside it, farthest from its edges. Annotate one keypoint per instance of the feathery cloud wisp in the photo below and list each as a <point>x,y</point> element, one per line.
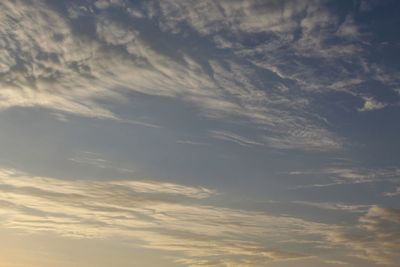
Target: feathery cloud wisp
<point>171,217</point>
<point>50,60</point>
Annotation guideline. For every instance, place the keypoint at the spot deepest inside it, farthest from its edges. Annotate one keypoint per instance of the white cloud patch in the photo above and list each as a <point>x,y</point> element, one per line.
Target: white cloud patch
<point>371,104</point>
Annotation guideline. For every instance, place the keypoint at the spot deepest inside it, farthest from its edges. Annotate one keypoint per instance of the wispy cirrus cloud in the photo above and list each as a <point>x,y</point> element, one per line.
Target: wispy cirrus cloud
<point>235,138</point>
<point>162,215</point>
<point>377,236</point>
<point>342,175</point>
<point>335,206</point>
<point>396,192</point>
<point>172,217</point>
<point>97,160</point>
<point>50,60</point>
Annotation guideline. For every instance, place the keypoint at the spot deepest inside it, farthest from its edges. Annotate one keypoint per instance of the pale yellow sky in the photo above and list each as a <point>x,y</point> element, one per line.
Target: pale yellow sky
<point>19,249</point>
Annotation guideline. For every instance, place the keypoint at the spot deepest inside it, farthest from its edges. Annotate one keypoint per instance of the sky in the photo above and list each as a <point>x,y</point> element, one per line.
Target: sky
<point>199,133</point>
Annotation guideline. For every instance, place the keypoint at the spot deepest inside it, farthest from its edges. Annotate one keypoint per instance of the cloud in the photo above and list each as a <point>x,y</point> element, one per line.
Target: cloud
<point>96,160</point>
<point>335,206</point>
<point>190,142</point>
<point>174,218</point>
<point>351,175</point>
<point>258,63</point>
<point>306,137</point>
<point>377,237</point>
<point>162,216</point>
<point>392,194</point>
<point>72,56</point>
<point>337,263</point>
<point>371,104</point>
<point>232,137</point>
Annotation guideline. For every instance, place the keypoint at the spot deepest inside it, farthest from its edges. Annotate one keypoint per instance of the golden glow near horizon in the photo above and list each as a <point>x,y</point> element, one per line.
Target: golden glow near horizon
<point>170,217</point>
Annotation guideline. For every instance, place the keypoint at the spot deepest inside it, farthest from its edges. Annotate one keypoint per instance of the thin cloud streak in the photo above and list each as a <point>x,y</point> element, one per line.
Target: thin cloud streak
<point>95,160</point>
<point>350,176</point>
<point>235,138</point>
<point>335,206</point>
